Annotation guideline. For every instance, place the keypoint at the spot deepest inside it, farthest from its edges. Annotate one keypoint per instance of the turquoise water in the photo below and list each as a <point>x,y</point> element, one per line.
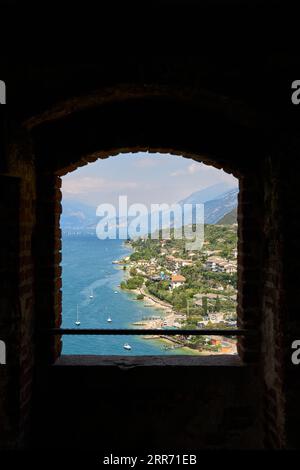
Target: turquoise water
<point>87,267</point>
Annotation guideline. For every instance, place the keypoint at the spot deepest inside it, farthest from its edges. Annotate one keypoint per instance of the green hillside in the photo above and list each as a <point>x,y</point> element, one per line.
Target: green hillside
<point>229,219</point>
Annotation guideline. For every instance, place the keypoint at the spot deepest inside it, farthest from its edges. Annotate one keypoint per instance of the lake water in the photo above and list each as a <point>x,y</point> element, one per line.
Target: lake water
<point>87,267</point>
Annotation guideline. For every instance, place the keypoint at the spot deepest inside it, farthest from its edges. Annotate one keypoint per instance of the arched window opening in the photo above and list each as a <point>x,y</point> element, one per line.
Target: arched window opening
<point>149,242</point>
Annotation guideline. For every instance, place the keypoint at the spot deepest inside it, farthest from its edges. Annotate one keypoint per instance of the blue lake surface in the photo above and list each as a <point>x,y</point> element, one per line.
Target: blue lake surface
<point>87,268</point>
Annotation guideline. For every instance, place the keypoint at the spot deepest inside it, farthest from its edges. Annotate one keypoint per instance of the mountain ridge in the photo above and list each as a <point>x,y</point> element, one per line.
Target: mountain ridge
<point>78,216</point>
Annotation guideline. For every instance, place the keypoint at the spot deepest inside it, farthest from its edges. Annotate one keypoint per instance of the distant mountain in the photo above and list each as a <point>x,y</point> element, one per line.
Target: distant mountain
<point>207,194</point>
<point>80,217</point>
<point>77,216</point>
<point>214,207</point>
<point>229,219</point>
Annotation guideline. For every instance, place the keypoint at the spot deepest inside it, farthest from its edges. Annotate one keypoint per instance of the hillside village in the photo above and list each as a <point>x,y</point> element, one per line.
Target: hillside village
<point>197,289</point>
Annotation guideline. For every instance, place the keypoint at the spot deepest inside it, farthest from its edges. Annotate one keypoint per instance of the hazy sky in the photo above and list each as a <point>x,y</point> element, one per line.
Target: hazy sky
<point>145,178</point>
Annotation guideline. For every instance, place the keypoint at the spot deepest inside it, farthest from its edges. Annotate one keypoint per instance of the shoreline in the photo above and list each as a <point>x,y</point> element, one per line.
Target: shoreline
<point>169,318</point>
<point>160,322</point>
<point>183,349</point>
<point>149,301</point>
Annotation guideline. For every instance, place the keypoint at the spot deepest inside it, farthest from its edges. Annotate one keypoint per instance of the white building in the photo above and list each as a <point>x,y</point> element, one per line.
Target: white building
<point>177,280</point>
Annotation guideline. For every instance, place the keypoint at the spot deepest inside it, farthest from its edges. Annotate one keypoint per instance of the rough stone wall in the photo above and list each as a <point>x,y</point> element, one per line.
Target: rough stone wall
<point>48,269</point>
<point>17,286</point>
<point>280,320</point>
<point>250,242</point>
<point>10,311</point>
<point>272,325</point>
<point>288,318</point>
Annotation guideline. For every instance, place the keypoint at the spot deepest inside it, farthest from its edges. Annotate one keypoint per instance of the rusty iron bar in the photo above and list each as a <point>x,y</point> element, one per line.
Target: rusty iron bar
<point>154,332</point>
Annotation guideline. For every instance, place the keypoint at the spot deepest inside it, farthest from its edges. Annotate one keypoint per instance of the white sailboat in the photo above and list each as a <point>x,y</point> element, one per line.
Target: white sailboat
<point>127,346</point>
<point>109,320</point>
<point>91,294</point>
<point>77,323</point>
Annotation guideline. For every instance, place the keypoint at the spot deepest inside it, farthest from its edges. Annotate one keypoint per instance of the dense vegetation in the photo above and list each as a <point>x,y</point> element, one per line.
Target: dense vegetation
<point>133,283</point>
<point>218,239</point>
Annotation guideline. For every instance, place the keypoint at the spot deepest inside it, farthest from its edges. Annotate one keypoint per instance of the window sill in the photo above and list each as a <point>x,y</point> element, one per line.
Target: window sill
<point>149,361</point>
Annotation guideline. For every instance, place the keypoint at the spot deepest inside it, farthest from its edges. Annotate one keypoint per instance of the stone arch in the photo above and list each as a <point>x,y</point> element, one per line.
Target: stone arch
<point>185,123</point>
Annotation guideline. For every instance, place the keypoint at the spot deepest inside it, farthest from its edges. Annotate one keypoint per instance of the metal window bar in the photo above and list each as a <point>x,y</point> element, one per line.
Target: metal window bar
<point>154,332</point>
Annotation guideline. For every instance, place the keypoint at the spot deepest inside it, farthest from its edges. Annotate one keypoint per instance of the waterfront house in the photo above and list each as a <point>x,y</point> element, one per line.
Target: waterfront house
<point>177,280</point>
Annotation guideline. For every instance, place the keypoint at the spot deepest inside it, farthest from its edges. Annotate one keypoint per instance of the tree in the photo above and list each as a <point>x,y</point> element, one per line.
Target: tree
<point>218,305</point>
<point>133,272</point>
<point>205,306</point>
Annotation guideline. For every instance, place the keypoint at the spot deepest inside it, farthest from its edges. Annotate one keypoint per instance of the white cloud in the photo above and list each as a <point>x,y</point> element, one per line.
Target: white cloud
<point>210,174</point>
<point>143,178</point>
<point>194,168</point>
<point>83,185</point>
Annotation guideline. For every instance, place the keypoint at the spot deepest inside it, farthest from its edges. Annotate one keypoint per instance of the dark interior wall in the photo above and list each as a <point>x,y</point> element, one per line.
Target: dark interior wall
<point>127,406</point>
<point>245,406</point>
<point>274,320</point>
<point>9,376</point>
<point>280,320</point>
<point>18,197</point>
<point>286,318</point>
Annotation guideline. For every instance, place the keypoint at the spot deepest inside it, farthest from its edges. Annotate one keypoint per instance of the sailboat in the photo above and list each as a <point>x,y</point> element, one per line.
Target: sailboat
<point>127,346</point>
<point>109,320</point>
<point>91,294</point>
<point>77,323</point>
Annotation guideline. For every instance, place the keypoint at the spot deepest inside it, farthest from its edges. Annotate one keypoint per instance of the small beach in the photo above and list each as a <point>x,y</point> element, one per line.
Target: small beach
<point>166,319</point>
